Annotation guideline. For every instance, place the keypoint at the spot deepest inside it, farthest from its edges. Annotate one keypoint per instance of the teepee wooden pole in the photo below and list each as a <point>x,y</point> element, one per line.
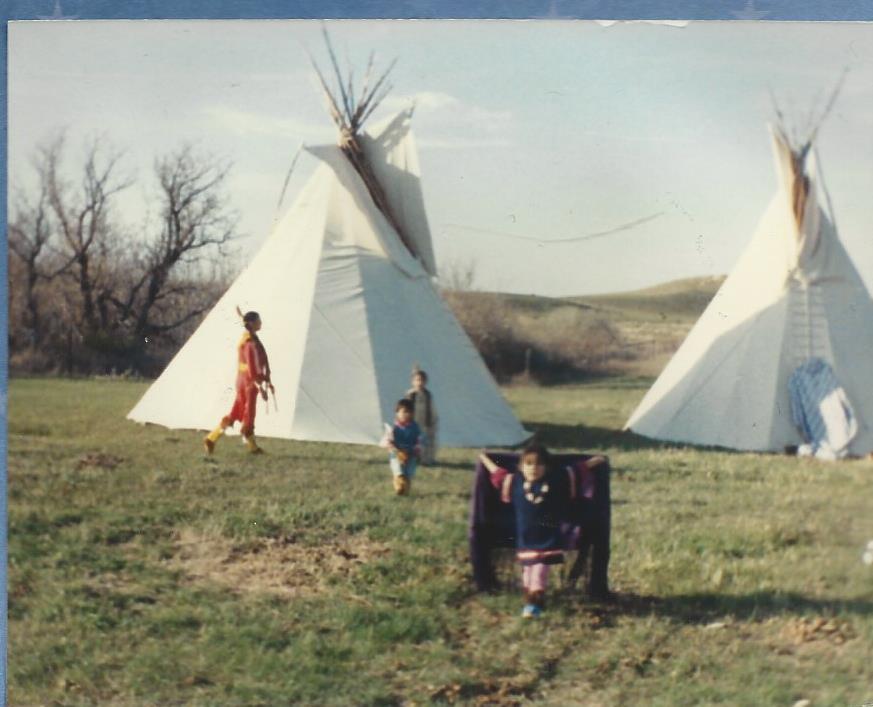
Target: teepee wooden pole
<point>335,112</point>
<point>349,116</point>
<point>339,76</point>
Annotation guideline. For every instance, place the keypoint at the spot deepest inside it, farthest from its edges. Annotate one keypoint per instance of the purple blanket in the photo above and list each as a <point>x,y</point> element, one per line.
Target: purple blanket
<point>492,522</point>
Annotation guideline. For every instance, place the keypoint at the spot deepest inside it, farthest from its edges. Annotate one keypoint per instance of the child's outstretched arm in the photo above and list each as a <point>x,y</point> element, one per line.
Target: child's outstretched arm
<point>387,440</point>
<point>500,477</point>
<point>488,463</point>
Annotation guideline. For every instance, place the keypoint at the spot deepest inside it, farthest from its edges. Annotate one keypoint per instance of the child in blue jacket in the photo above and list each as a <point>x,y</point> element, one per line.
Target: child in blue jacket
<point>404,442</point>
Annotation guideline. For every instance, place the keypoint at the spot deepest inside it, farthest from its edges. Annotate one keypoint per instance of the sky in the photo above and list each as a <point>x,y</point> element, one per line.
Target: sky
<point>526,129</point>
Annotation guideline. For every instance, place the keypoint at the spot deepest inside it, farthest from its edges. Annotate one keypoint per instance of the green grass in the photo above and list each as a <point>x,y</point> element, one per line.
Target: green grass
<point>151,575</point>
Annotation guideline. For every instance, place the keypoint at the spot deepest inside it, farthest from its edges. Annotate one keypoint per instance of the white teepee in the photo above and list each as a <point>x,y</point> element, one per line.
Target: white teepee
<point>794,295</point>
<point>347,312</point>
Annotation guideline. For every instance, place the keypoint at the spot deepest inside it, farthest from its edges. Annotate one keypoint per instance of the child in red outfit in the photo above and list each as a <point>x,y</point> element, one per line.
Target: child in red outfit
<point>252,379</point>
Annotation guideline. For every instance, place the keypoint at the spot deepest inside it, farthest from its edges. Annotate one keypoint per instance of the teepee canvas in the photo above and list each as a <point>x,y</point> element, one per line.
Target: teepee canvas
<point>343,286</point>
<point>793,298</point>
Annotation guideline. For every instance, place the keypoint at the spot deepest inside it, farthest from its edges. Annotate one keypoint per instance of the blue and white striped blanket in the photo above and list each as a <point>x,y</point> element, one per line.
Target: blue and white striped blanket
<point>821,410</point>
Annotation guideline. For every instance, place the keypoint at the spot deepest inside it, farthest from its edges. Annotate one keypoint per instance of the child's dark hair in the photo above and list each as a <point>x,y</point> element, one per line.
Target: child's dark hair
<point>537,449</point>
<point>405,404</point>
<point>250,318</point>
<point>419,372</point>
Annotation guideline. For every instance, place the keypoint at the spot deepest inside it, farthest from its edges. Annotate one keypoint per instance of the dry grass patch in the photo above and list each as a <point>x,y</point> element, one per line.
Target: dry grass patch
<point>805,634</point>
<point>808,630</point>
<point>278,566</point>
<point>799,635</point>
<point>98,460</point>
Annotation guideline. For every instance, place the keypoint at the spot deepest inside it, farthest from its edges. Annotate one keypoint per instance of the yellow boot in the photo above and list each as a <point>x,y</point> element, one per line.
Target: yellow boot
<point>210,439</point>
<point>401,485</point>
<point>252,446</point>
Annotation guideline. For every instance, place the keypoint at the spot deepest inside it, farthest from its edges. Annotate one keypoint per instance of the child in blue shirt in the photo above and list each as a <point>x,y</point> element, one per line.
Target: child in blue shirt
<point>539,493</point>
<point>404,442</point>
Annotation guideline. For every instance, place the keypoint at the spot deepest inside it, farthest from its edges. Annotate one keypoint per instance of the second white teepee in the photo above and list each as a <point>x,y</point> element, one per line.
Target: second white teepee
<point>794,295</point>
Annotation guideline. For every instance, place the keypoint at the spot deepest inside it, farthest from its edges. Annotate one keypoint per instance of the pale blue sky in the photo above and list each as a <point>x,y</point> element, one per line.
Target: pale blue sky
<point>550,129</point>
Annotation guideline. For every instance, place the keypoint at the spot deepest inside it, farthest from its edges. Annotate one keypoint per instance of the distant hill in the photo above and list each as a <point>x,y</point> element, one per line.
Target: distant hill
<point>679,299</point>
<point>634,332</point>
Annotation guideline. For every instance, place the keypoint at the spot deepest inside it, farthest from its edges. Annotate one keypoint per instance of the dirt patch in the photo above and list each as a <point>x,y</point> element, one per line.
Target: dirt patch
<point>810,630</point>
<point>801,635</point>
<point>99,460</point>
<point>270,565</point>
<point>486,693</point>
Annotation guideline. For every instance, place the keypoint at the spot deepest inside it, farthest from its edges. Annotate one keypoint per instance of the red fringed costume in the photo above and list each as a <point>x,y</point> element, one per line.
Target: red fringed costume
<point>252,371</point>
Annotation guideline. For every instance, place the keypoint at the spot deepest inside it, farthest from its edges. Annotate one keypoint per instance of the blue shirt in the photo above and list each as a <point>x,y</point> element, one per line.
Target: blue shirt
<point>539,510</point>
<point>406,438</point>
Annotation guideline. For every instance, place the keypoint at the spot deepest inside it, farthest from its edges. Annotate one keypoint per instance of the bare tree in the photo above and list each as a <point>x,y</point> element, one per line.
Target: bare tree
<point>88,290</point>
<point>194,228</point>
<point>84,225</point>
<point>30,231</point>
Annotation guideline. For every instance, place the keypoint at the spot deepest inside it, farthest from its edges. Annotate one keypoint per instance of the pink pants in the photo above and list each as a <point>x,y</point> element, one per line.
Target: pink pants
<point>534,578</point>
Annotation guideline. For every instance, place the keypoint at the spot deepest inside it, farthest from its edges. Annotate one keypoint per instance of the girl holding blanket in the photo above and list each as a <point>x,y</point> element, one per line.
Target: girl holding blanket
<point>539,496</point>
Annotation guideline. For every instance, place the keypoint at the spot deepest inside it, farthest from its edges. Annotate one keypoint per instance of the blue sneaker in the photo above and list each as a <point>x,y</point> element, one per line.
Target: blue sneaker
<point>531,611</point>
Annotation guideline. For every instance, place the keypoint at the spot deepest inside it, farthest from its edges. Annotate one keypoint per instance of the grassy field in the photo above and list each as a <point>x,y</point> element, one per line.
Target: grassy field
<point>142,573</point>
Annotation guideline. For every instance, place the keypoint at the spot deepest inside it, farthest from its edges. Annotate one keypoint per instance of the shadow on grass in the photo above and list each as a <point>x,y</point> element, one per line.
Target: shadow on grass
<point>585,437</point>
<point>707,607</point>
<point>590,438</point>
